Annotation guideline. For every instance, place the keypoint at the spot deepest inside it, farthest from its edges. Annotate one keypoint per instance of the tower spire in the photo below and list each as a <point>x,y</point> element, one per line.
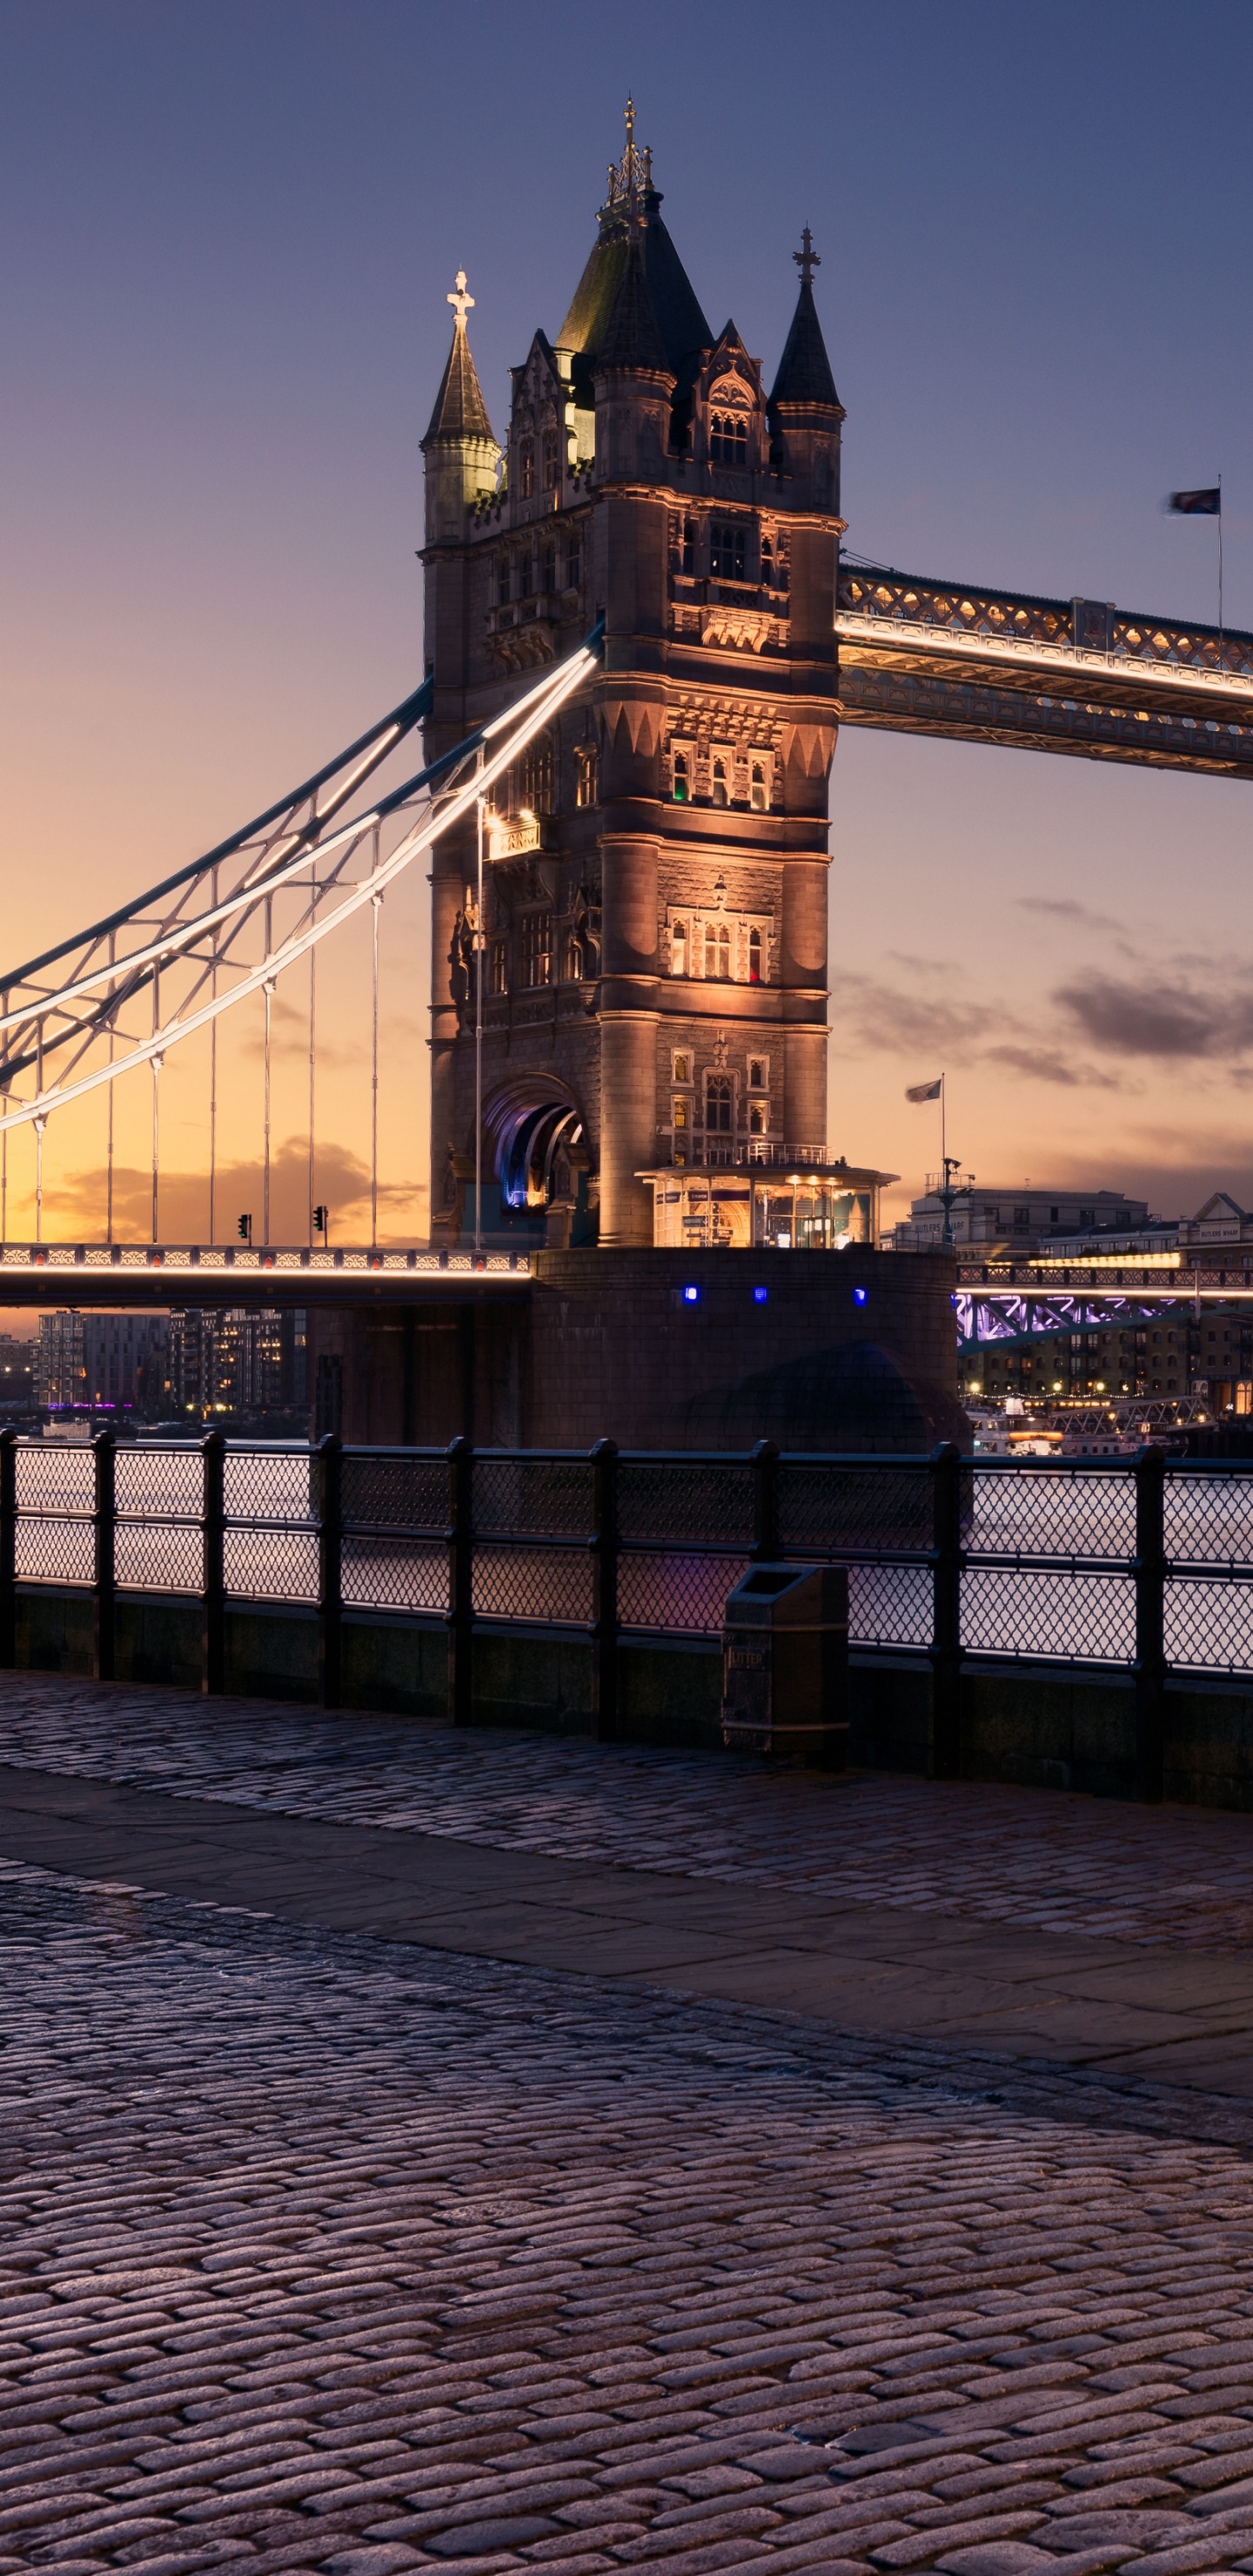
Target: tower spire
<point>805,369</point>
<point>460,411</point>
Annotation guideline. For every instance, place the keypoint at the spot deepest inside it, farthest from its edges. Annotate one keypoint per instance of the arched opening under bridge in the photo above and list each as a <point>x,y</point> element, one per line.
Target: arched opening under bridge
<point>536,1151</point>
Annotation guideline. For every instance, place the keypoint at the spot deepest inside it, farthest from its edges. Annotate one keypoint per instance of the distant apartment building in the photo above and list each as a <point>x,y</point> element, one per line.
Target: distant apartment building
<point>237,1361</point>
<point>102,1364</point>
<point>1019,1219</point>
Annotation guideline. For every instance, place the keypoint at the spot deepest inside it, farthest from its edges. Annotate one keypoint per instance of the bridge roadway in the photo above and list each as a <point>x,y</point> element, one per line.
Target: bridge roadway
<point>161,1275</point>
<point>1077,675</point>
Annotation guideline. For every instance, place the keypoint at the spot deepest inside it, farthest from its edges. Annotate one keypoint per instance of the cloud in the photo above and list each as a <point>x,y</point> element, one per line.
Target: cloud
<point>1064,908</point>
<point>928,1028</point>
<point>1171,1020</point>
<point>1047,1064</point>
<point>342,1180</point>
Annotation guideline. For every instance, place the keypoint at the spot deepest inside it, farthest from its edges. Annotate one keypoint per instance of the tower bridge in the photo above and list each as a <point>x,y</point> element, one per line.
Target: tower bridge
<point>642,645</point>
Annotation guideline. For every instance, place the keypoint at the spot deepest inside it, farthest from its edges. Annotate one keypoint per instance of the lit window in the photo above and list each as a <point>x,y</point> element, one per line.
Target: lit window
<point>585,766</point>
<point>728,438</point>
<point>537,948</point>
<point>718,1103</point>
<point>682,1072</point>
<point>537,775</point>
<point>728,549</point>
<point>754,957</point>
<point>678,966</point>
<point>680,1111</point>
<point>757,788</point>
<point>682,778</point>
<point>717,951</point>
<point>526,469</point>
<point>573,969</point>
<point>720,782</point>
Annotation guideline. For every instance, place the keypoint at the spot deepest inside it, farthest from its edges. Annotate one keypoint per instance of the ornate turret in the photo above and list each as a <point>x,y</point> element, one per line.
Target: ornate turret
<point>462,455</point>
<point>805,409</point>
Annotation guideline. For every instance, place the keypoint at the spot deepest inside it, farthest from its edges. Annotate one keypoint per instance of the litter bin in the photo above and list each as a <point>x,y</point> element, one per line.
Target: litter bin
<point>785,1664</point>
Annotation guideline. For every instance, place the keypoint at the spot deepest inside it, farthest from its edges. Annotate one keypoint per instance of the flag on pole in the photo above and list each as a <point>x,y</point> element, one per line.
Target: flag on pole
<point>925,1090</point>
<point>1197,505</point>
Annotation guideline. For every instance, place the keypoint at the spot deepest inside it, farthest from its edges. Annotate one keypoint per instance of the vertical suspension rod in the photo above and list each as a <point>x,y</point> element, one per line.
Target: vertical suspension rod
<point>313,1000</point>
<point>108,1187</point>
<point>40,1124</point>
<point>156,1086</point>
<point>213,1084</point>
<point>478,1028</point>
<point>374,1053</point>
<point>269,1004</point>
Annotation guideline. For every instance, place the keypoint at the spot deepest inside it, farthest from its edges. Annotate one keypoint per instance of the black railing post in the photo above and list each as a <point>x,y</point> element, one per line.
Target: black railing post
<point>605,1591</point>
<point>213,1562</point>
<point>765,1466</point>
<point>328,1499</point>
<point>8,1548</point>
<point>1150,1664</point>
<point>947,1466</point>
<point>460,1536</point>
<point>104,1515</point>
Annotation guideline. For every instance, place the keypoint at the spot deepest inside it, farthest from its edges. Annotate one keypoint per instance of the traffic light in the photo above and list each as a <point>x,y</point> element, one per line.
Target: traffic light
<point>244,1229</point>
<point>319,1220</point>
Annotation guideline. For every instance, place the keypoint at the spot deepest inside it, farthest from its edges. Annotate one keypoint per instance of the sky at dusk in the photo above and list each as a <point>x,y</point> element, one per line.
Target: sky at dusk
<point>229,235</point>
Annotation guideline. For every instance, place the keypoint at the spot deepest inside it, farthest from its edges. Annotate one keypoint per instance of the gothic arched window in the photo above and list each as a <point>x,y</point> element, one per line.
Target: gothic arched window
<point>585,766</point>
<point>573,564</point>
<point>504,590</point>
<point>757,787</point>
<point>537,775</point>
<point>720,782</point>
<point>718,952</point>
<point>718,1103</point>
<point>754,957</point>
<point>550,473</point>
<point>728,549</point>
<point>678,961</point>
<point>728,438</point>
<point>757,1074</point>
<point>526,468</point>
<point>682,778</point>
<point>756,1120</point>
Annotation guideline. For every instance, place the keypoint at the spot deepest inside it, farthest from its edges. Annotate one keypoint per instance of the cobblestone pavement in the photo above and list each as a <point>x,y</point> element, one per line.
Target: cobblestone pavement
<point>323,2253</point>
<point>1043,1860</point>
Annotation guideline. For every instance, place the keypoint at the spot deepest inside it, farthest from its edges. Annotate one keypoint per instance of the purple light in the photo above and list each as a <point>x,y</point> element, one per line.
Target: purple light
<point>760,1295</point>
<point>859,1296</point>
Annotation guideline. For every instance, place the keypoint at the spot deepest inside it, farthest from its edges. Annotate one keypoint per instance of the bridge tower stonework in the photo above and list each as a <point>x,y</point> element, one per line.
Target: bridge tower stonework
<point>654,946</point>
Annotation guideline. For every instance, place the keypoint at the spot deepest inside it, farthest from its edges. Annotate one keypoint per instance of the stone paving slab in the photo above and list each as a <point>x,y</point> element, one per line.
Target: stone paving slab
<point>332,2256</point>
<point>1049,1862</point>
<point>1033,1995</point>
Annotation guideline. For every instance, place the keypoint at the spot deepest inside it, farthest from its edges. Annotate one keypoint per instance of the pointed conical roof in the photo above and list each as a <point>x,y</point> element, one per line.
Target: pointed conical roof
<point>805,369</point>
<point>633,334</point>
<point>460,411</point>
<point>680,322</point>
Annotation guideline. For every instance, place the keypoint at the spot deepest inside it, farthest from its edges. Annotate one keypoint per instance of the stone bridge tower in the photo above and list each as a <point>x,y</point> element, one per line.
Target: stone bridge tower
<point>655,943</point>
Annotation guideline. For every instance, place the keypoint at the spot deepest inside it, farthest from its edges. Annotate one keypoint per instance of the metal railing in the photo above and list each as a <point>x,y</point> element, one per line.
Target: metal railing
<point>1141,1566</point>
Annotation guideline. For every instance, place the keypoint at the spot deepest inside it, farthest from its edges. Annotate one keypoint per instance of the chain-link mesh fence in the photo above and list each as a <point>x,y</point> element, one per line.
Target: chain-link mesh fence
<point>1044,1553</point>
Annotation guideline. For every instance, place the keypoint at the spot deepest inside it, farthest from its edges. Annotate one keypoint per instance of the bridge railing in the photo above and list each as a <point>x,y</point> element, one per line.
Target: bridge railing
<point>1141,1566</point>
